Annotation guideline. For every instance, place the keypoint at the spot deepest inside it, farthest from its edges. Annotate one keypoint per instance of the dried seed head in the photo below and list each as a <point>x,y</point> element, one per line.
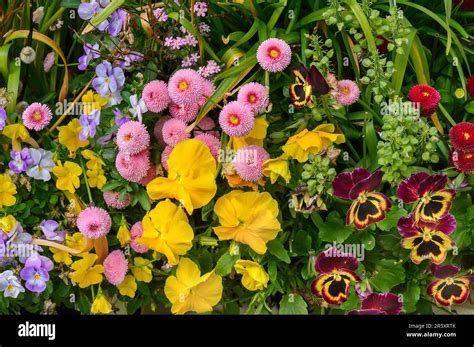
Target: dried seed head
<point>27,55</point>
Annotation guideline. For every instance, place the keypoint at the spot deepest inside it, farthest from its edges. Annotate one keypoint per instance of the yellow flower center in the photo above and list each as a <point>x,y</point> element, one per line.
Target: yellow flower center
<point>252,98</point>
<point>37,116</point>
<point>274,53</point>
<point>449,281</point>
<point>127,137</point>
<point>467,136</point>
<point>468,155</point>
<point>425,94</point>
<point>345,90</point>
<point>427,236</point>
<point>183,85</point>
<point>234,119</point>
<point>336,276</point>
<point>36,277</point>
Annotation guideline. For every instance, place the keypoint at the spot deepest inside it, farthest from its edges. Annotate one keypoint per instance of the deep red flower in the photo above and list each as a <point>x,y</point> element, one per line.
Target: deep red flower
<point>449,288</point>
<point>462,136</point>
<point>383,303</point>
<point>470,86</point>
<point>463,161</point>
<point>426,96</point>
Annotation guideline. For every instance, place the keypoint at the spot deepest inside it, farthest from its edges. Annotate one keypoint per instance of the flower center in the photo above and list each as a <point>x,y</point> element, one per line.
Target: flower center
<point>252,98</point>
<point>183,85</point>
<point>467,136</point>
<point>345,90</point>
<point>37,116</point>
<point>234,119</point>
<point>427,236</point>
<point>274,52</point>
<point>425,94</point>
<point>449,281</point>
<point>93,227</point>
<point>468,155</point>
<point>36,277</point>
<point>128,137</point>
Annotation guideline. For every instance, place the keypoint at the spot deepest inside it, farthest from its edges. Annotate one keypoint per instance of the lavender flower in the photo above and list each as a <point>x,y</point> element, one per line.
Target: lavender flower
<point>190,60</point>
<point>87,10</point>
<point>10,285</point>
<point>210,69</point>
<point>200,8</point>
<point>48,61</point>
<point>116,21</point>
<point>50,229</point>
<point>42,164</point>
<point>204,28</point>
<point>90,53</point>
<point>89,124</point>
<point>3,118</point>
<point>36,273</point>
<point>120,119</point>
<point>21,161</point>
<point>125,61</point>
<point>160,15</point>
<point>109,79</point>
<point>138,107</point>
<point>190,40</point>
<point>104,140</point>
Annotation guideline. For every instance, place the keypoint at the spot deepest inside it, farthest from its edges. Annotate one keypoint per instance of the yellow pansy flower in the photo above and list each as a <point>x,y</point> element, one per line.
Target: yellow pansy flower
<point>16,132</point>
<point>86,273</point>
<point>7,191</point>
<point>75,241</point>
<point>7,223</point>
<point>101,305</point>
<point>142,270</point>
<point>61,256</point>
<point>96,178</point>
<point>69,136</point>
<point>128,286</point>
<point>68,176</point>
<point>189,291</point>
<point>167,231</point>
<point>277,167</point>
<point>123,234</point>
<point>254,275</point>
<point>191,176</point>
<point>306,142</point>
<point>247,217</point>
<point>94,161</point>
<point>254,137</point>
<point>92,101</point>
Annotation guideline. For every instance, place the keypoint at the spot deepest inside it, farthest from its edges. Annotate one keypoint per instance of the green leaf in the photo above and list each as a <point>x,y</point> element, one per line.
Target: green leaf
<point>411,297</point>
<point>353,301</point>
<point>334,229</point>
<point>225,264</point>
<point>293,304</point>
<point>301,242</point>
<point>144,200</point>
<point>469,107</point>
<point>13,84</point>
<point>272,270</point>
<point>276,248</point>
<point>387,274</point>
<point>4,60</point>
<point>391,219</point>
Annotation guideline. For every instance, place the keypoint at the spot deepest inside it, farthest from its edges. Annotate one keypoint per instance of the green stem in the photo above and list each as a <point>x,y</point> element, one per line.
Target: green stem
<point>84,173</point>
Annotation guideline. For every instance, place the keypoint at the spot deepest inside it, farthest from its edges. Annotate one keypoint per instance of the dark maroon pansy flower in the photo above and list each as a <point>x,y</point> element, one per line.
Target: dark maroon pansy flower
<point>367,206</point>
<point>336,272</point>
<point>380,304</point>
<point>449,288</point>
<point>433,199</point>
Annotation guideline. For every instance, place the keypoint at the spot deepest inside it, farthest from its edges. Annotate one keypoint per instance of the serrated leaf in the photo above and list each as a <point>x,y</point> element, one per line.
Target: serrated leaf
<point>334,229</point>
<point>387,274</point>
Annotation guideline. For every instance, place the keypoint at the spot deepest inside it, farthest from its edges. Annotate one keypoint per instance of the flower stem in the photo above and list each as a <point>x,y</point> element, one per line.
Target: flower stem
<point>84,173</point>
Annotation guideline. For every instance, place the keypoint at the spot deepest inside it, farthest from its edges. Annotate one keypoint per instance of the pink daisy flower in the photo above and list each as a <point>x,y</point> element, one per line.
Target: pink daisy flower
<point>132,137</point>
<point>37,116</point>
<point>150,175</point>
<point>112,200</point>
<point>208,88</point>
<point>174,132</point>
<point>158,130</point>
<point>165,156</point>
<point>133,167</point>
<point>274,55</point>
<point>236,119</point>
<point>347,92</point>
<point>94,222</point>
<point>255,96</point>
<point>136,232</point>
<point>206,126</point>
<point>186,113</point>
<point>115,267</point>
<point>212,142</point>
<point>185,87</point>
<point>155,95</point>
<point>248,162</point>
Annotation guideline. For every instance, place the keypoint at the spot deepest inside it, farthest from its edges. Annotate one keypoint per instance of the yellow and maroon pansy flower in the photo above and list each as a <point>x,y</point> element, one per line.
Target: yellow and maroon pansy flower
<point>429,192</point>
<point>449,288</point>
<point>380,304</point>
<point>306,82</point>
<point>367,206</point>
<point>427,240</point>
<point>336,272</point>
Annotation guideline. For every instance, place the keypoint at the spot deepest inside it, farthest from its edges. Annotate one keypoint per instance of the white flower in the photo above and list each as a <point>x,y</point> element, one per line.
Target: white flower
<point>138,107</point>
<point>10,285</point>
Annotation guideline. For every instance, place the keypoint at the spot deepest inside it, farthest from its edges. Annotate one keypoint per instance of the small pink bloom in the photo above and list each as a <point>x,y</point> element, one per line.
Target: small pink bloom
<point>94,222</point>
<point>37,116</point>
<point>185,87</point>
<point>174,132</point>
<point>158,130</point>
<point>347,92</point>
<point>112,200</point>
<point>248,162</point>
<point>136,232</point>
<point>115,267</point>
<point>274,55</point>
<point>155,95</point>
<point>132,137</point>
<point>133,167</point>
<point>236,119</point>
<point>212,142</point>
<point>165,156</point>
<point>255,96</point>
<point>186,113</point>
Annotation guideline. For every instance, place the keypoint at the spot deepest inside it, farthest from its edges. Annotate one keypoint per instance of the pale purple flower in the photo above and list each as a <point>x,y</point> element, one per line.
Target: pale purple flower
<point>204,28</point>
<point>87,10</point>
<point>210,69</point>
<point>200,8</point>
<point>116,22</point>
<point>48,61</point>
<point>190,60</point>
<point>138,107</point>
<point>129,58</point>
<point>160,14</point>
<point>42,164</point>
<point>90,53</point>
<point>10,285</point>
<point>50,229</point>
<point>3,118</point>
<point>113,98</point>
<point>36,273</point>
<point>109,79</point>
<point>175,42</point>
<point>104,140</point>
<point>89,124</point>
<point>191,40</point>
<point>21,161</point>
<point>183,29</point>
<point>120,119</point>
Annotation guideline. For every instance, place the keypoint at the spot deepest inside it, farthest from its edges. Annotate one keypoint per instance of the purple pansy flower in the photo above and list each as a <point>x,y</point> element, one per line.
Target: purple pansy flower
<point>116,22</point>
<point>50,229</point>
<point>42,164</point>
<point>36,273</point>
<point>89,124</point>
<point>87,10</point>
<point>90,53</point>
<point>120,119</point>
<point>125,61</point>
<point>3,118</point>
<point>21,161</point>
<point>109,79</point>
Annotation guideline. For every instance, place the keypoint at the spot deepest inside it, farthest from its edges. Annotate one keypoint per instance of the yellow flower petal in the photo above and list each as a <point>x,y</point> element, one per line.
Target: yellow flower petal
<point>254,275</point>
<point>101,305</point>
<point>128,287</point>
